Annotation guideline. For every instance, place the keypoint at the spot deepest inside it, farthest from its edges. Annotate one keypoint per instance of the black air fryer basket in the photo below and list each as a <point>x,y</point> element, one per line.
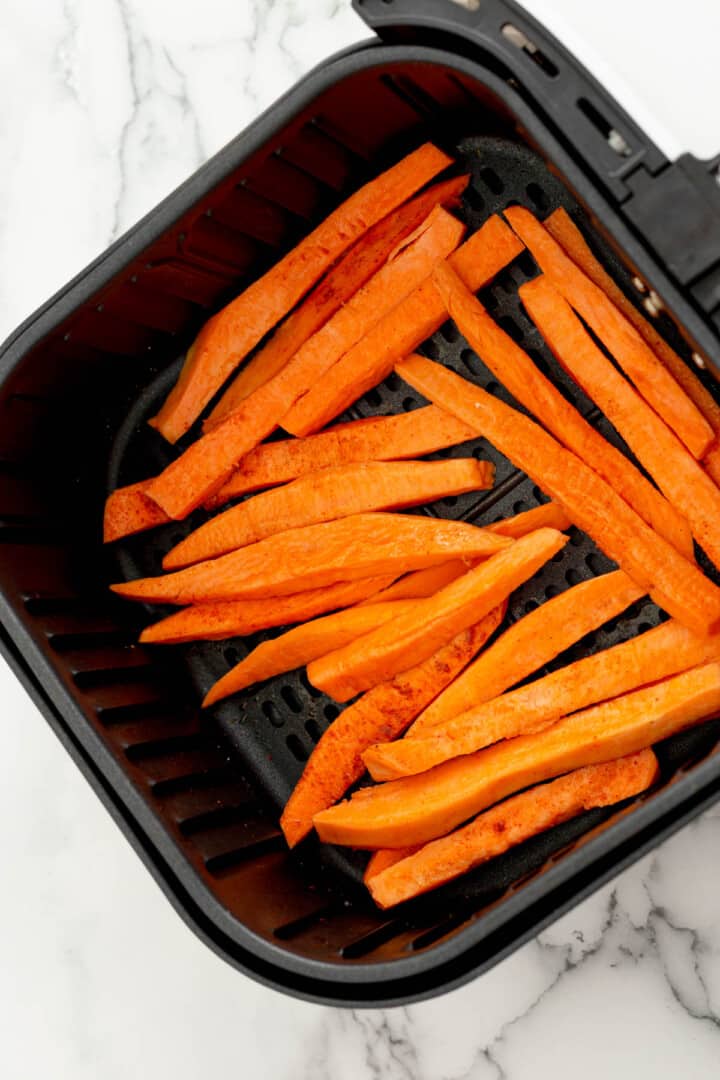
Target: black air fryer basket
<point>199,797</point>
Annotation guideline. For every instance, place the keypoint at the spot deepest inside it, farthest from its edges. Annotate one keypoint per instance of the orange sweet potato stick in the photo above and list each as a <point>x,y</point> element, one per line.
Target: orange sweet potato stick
<point>654,564</point>
<point>431,623</point>
<point>674,469</point>
<point>379,438</point>
<point>239,618</point>
<point>477,262</point>
<point>382,438</point>
<point>299,646</point>
<point>383,858</point>
<point>647,658</point>
<point>420,808</point>
<point>384,712</point>
<point>549,515</point>
<point>130,510</point>
<point>328,495</point>
<point>531,642</point>
<point>393,880</point>
<point>420,583</point>
<point>427,582</point>
<point>208,463</point>
<point>648,373</point>
<point>561,226</point>
<point>364,545</point>
<point>514,368</point>
<point>342,281</point>
<point>711,462</point>
<point>228,337</point>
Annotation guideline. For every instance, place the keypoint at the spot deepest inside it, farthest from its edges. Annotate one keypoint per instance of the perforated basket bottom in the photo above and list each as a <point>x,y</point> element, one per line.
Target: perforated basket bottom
<point>270,729</point>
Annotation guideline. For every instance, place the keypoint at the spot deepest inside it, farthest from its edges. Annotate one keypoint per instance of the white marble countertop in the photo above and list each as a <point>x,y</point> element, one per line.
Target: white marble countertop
<point>105,105</point>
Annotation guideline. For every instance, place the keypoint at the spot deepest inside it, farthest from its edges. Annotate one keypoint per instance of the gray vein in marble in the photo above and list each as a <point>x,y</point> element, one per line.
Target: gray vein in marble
<point>694,999</point>
<point>66,51</point>
<point>389,1036</point>
<point>125,20</point>
<point>183,98</point>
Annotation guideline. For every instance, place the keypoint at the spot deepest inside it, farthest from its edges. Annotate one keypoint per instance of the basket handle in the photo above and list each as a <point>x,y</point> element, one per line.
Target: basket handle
<point>675,206</point>
<point>608,140</point>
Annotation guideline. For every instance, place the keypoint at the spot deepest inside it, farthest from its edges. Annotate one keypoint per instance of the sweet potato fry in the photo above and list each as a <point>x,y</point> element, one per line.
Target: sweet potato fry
<point>561,226</point>
<point>682,479</point>
<point>378,438</point>
<point>364,545</point>
<point>370,361</point>
<point>393,880</point>
<point>382,438</point>
<point>427,582</point>
<point>711,462</point>
<point>514,368</point>
<point>130,510</point>
<point>383,858</point>
<point>384,712</point>
<point>549,515</point>
<point>328,495</point>
<point>228,337</point>
<point>420,583</point>
<point>299,646</point>
<point>239,618</point>
<point>207,464</point>
<point>420,808</point>
<point>654,564</point>
<point>647,658</point>
<point>342,281</point>
<point>531,642</point>
<point>431,623</point>
<point>648,373</point>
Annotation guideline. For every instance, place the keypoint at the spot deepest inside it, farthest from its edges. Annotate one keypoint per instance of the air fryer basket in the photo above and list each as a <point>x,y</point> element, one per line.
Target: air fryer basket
<point>199,796</point>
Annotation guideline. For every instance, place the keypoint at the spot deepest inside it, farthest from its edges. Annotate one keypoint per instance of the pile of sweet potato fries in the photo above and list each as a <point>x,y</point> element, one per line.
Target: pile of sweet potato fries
<point>402,614</point>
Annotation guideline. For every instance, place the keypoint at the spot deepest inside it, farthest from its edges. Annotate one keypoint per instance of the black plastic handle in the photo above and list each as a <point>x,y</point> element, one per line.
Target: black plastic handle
<point>675,206</point>
<point>609,142</point>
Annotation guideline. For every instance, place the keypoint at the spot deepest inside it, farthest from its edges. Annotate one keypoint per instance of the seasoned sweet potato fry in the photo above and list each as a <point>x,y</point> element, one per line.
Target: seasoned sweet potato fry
<point>392,880</point>
<point>682,479</point>
<point>385,857</point>
<point>328,495</point>
<point>427,582</point>
<point>421,583</point>
<point>206,465</point>
<point>220,619</point>
<point>299,646</point>
<point>383,438</point>
<point>361,546</point>
<point>420,808</point>
<point>561,226</point>
<point>711,463</point>
<point>549,515</point>
<point>652,379</point>
<point>379,438</point>
<point>229,336</point>
<point>514,368</point>
<point>341,282</point>
<point>477,262</point>
<point>531,642</point>
<point>413,636</point>
<point>656,654</point>
<point>673,582</point>
<point>130,510</point>
<point>384,712</point>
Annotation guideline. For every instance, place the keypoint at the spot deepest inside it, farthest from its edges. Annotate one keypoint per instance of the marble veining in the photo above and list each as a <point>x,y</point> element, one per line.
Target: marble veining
<point>106,105</point>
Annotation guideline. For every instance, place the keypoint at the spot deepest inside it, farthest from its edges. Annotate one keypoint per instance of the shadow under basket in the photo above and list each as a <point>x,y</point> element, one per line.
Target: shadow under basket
<point>199,795</point>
